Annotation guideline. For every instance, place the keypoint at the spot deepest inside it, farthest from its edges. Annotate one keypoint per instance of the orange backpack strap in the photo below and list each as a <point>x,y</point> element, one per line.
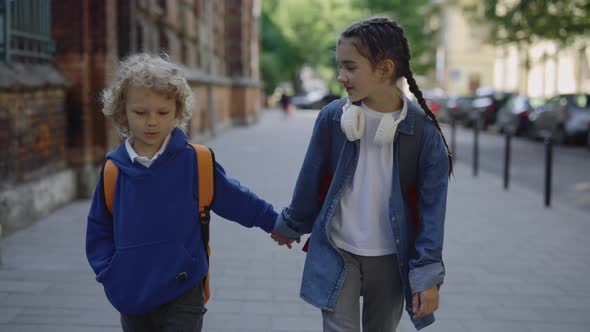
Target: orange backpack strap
<point>109,177</point>
<point>205,163</point>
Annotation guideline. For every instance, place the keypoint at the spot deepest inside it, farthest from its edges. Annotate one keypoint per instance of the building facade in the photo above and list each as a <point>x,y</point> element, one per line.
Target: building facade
<point>57,56</point>
<point>464,61</point>
<point>552,69</point>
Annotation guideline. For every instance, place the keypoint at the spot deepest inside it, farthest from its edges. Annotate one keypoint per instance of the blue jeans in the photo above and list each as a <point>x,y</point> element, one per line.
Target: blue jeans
<point>184,314</point>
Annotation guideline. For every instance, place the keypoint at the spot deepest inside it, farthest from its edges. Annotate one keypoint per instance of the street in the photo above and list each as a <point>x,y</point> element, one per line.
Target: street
<point>571,165</point>
<point>512,266</point>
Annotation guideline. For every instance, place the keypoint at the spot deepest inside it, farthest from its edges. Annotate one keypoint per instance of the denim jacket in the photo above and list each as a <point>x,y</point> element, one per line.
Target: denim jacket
<point>419,245</point>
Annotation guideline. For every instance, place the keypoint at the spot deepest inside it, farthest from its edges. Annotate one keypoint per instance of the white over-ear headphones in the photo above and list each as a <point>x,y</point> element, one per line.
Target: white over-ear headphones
<point>352,123</point>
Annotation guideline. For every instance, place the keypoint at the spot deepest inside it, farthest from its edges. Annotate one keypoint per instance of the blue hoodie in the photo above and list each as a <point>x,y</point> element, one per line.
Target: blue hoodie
<point>140,253</point>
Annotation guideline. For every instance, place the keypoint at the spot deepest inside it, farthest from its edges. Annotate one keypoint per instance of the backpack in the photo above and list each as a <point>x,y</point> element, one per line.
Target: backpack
<point>409,149</point>
<point>206,161</point>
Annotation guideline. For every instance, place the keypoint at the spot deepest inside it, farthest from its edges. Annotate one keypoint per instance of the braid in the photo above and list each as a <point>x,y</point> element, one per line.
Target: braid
<point>416,91</point>
<point>407,73</point>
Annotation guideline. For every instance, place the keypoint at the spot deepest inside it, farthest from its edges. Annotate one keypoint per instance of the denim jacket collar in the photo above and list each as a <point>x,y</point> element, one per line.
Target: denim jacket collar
<point>407,125</point>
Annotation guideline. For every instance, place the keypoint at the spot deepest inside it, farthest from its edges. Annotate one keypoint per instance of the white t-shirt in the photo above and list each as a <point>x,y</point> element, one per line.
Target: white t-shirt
<point>361,223</point>
<point>145,161</point>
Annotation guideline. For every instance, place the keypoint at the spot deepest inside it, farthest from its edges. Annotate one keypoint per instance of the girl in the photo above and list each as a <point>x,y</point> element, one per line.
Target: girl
<point>369,236</point>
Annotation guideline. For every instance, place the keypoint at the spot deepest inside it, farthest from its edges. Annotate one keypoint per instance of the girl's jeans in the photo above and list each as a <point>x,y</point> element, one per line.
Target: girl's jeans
<point>379,281</point>
<point>185,314</point>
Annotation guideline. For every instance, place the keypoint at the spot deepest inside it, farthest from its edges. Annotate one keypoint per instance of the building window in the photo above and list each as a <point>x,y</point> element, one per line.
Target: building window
<point>25,31</point>
<point>162,5</point>
<point>163,40</point>
<point>184,53</point>
<point>139,37</point>
<point>197,8</point>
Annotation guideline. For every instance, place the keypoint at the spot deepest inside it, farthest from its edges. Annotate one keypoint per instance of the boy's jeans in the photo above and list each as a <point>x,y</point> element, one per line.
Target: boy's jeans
<point>379,281</point>
<point>185,314</point>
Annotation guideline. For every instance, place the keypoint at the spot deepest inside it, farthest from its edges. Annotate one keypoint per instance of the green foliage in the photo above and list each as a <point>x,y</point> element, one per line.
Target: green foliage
<point>421,22</point>
<point>296,33</point>
<point>304,32</point>
<point>277,61</point>
<point>527,21</point>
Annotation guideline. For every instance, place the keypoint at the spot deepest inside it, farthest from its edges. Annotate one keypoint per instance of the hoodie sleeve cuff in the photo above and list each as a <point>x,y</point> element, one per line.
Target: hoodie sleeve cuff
<point>283,228</point>
<point>426,277</point>
<point>268,220</point>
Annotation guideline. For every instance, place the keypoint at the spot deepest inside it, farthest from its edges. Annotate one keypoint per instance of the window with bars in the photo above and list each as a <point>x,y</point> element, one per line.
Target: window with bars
<point>25,31</point>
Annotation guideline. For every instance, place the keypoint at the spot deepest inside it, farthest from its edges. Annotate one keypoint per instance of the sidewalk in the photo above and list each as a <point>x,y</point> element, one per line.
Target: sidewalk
<point>511,264</point>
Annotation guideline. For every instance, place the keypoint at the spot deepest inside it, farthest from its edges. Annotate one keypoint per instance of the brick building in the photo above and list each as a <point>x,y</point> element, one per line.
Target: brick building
<point>57,56</point>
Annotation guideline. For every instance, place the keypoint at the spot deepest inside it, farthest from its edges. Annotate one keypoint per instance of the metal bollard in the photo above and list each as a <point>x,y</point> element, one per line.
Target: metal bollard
<point>476,144</point>
<point>454,138</point>
<point>507,152</point>
<point>548,168</point>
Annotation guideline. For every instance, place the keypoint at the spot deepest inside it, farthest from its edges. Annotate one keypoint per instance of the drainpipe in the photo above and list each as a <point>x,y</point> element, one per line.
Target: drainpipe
<point>209,66</point>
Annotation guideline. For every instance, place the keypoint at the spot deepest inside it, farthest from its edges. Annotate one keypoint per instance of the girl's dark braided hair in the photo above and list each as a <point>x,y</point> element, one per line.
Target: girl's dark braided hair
<point>381,38</point>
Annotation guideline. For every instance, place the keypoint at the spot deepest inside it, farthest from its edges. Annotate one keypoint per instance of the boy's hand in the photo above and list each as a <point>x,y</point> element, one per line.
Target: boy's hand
<point>425,302</point>
<point>281,240</point>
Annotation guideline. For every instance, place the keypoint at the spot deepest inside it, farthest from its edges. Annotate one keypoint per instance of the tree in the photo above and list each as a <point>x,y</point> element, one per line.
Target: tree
<point>527,21</point>
<point>296,33</point>
<point>524,22</point>
<point>421,22</point>
<point>278,60</point>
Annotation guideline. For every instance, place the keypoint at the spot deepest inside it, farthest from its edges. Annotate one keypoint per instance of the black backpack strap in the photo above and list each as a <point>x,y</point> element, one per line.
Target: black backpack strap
<point>409,152</point>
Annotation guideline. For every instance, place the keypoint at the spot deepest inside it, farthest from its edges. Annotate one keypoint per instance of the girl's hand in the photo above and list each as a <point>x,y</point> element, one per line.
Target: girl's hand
<point>425,302</point>
<point>281,240</point>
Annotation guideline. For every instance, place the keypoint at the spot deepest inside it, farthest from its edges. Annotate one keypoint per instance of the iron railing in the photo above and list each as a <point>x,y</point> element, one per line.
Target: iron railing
<point>25,31</point>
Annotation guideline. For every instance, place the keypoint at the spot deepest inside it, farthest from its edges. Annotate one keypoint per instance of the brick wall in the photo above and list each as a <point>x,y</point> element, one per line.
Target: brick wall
<point>200,121</point>
<point>223,104</point>
<point>248,97</point>
<point>32,134</point>
<point>53,136</point>
<point>91,42</point>
<point>87,56</point>
<point>233,36</point>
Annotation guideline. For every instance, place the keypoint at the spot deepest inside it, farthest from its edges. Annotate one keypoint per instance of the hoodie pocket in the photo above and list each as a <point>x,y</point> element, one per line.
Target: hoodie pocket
<point>143,277</point>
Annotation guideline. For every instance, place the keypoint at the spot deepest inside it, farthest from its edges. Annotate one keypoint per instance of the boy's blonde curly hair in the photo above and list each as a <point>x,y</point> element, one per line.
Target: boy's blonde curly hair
<point>151,71</point>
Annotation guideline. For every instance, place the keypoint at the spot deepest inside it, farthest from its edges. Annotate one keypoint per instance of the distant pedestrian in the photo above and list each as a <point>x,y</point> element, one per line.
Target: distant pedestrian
<point>286,103</point>
<point>149,253</point>
<point>373,232</point>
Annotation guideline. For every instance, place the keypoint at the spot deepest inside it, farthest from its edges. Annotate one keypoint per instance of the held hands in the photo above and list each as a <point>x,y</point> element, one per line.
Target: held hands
<point>425,302</point>
<point>282,240</point>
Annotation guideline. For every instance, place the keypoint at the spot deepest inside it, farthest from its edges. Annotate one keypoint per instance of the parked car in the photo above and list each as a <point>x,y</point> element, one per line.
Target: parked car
<point>313,100</point>
<point>458,107</point>
<point>566,117</point>
<point>435,104</point>
<point>435,99</point>
<point>486,106</point>
<point>513,117</point>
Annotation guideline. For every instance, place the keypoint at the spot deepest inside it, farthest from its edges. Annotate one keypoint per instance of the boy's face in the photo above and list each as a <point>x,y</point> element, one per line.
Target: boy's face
<point>356,73</point>
<point>150,115</point>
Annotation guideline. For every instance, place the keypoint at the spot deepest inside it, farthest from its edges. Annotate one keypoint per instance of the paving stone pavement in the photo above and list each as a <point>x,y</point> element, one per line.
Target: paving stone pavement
<point>512,265</point>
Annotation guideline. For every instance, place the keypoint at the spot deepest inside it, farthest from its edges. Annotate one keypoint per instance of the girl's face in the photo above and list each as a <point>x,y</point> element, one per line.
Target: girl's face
<point>150,115</point>
<point>356,73</point>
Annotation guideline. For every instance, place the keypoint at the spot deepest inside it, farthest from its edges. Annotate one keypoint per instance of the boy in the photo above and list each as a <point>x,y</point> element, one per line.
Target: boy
<point>149,254</point>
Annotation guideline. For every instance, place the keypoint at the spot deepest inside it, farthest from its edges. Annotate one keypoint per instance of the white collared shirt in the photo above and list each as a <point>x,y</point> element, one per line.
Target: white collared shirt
<point>145,161</point>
